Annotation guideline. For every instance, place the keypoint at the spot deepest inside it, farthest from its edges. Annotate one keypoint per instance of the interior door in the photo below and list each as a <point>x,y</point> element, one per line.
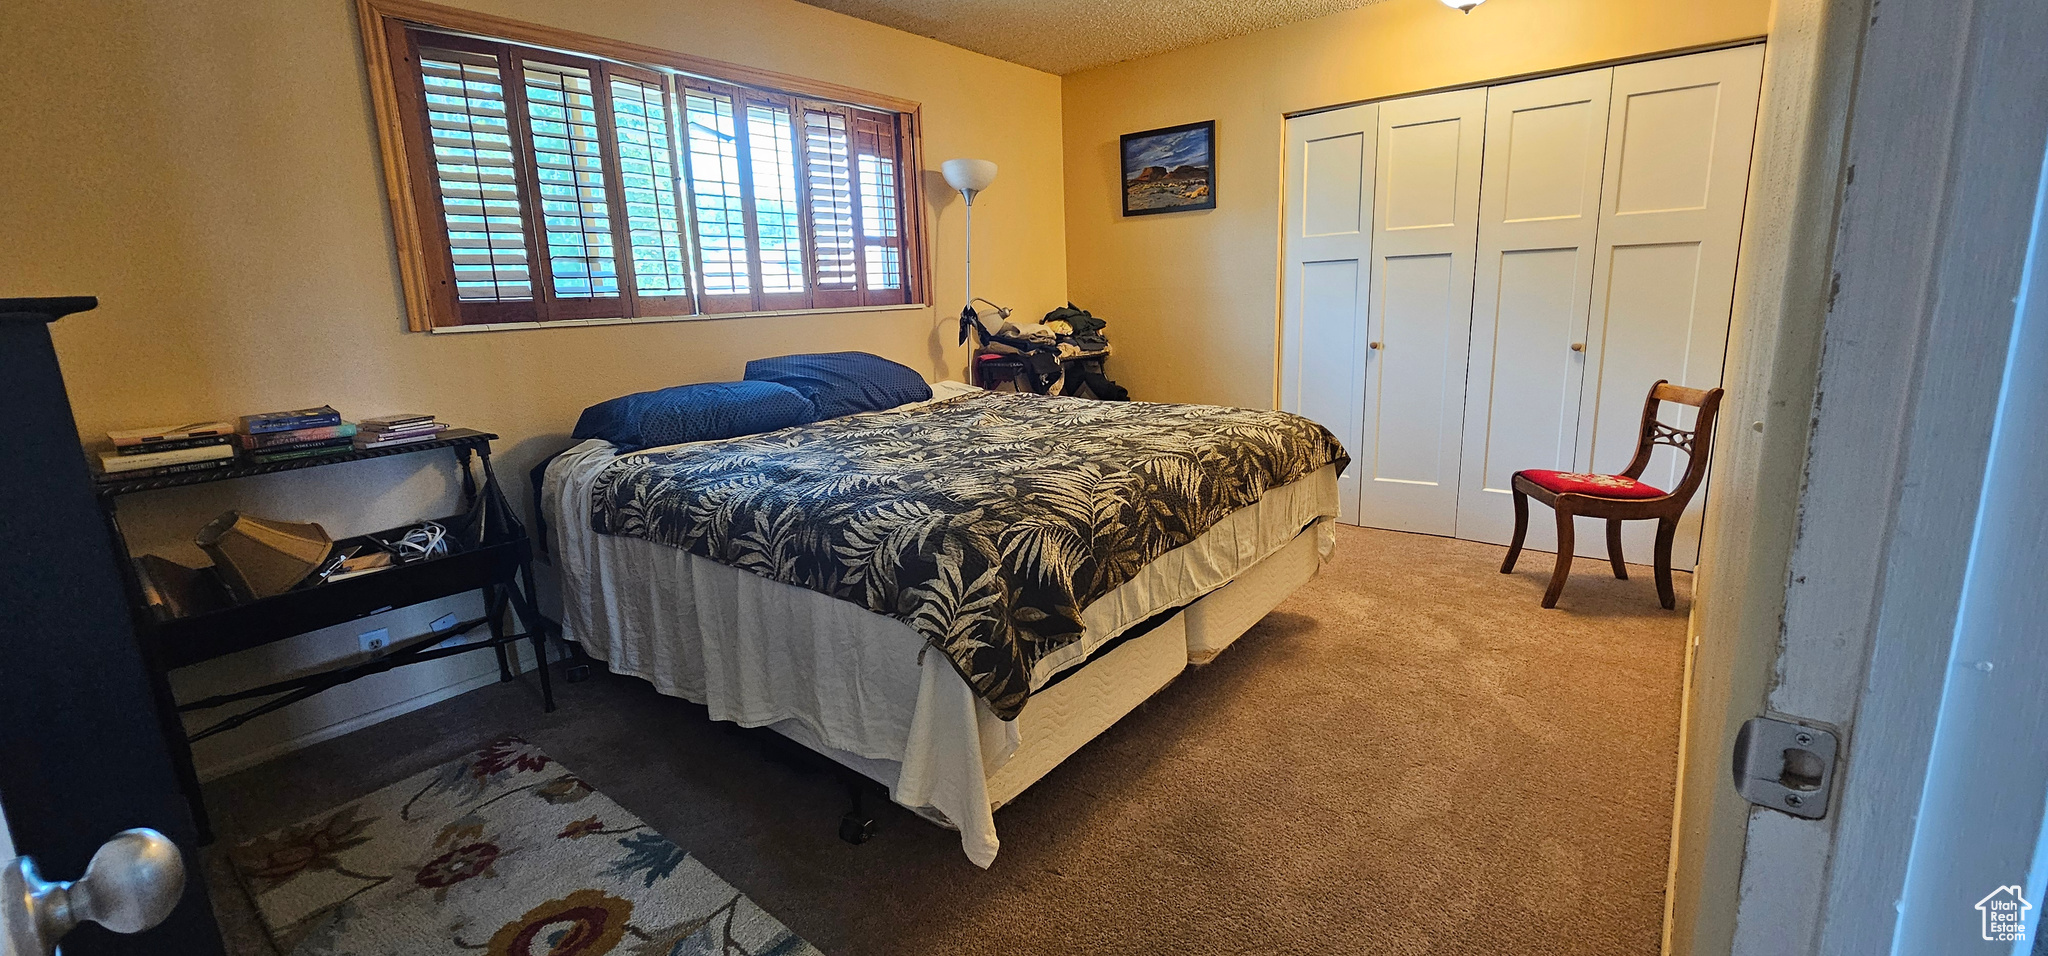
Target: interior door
<point>1327,255</point>
<point>1419,318</point>
<point>1539,209</point>
<point>1678,146</point>
<point>85,753</point>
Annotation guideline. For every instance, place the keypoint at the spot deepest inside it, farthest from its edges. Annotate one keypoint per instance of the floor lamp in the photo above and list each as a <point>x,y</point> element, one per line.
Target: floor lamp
<point>970,176</point>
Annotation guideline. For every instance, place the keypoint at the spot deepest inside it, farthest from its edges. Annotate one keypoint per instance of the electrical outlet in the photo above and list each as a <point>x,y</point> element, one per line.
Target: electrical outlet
<point>444,624</point>
<point>374,642</point>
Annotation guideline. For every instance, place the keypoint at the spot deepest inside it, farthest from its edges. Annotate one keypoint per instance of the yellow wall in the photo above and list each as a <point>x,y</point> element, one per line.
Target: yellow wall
<point>1192,298</point>
<point>210,171</point>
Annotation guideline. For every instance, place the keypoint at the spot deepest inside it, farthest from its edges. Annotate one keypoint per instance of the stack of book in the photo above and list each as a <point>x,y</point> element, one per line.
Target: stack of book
<point>387,430</point>
<point>302,433</point>
<point>169,450</point>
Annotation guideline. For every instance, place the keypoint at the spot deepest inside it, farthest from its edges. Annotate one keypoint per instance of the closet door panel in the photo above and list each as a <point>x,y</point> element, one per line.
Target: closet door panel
<point>1326,259</point>
<point>1678,150</point>
<point>1416,414</point>
<point>1539,210</point>
<point>1330,306</point>
<point>1426,204</point>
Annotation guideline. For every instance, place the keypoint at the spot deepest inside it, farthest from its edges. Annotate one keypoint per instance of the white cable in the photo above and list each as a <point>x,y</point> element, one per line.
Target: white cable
<point>425,541</point>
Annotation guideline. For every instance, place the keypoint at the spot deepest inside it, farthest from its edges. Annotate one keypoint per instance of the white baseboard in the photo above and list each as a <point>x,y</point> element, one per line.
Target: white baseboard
<point>244,761</point>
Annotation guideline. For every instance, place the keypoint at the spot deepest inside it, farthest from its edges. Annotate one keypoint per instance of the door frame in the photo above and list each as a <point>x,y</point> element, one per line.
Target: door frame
<point>1947,135</point>
<point>1795,616</point>
<point>1782,280</point>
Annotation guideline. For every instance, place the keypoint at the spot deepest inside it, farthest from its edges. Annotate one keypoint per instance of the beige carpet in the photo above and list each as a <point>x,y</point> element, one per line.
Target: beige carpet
<point>1409,756</point>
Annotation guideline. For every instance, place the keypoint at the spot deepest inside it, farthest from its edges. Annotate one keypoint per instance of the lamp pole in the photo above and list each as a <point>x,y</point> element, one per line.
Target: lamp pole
<point>969,195</point>
<point>970,176</point>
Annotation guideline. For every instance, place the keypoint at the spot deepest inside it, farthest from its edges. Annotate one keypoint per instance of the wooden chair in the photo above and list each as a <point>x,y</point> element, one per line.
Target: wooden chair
<point>1622,497</point>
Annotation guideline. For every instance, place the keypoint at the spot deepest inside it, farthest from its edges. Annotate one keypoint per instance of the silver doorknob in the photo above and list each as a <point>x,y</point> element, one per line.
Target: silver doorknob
<point>132,883</point>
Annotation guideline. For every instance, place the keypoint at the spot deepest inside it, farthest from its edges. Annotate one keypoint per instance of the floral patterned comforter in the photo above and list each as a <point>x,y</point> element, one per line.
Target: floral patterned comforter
<point>986,523</point>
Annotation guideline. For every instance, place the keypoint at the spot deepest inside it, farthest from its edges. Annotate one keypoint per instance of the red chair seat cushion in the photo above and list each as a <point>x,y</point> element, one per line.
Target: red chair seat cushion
<point>1598,486</point>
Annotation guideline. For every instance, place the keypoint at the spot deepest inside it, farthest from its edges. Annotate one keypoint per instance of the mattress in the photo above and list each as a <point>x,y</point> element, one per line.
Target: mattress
<point>858,686</point>
<point>1076,710</point>
<point>1223,615</point>
<point>1064,717</point>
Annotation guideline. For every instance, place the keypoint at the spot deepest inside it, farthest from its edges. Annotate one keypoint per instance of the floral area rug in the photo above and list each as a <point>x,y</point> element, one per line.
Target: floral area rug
<point>504,853</point>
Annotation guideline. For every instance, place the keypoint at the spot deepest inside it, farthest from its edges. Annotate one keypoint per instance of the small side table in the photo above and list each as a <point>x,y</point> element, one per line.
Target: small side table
<point>990,369</point>
<point>498,561</point>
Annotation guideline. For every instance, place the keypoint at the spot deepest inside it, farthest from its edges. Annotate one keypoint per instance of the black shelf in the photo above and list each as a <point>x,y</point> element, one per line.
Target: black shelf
<point>499,566</point>
<point>183,641</point>
<point>107,486</point>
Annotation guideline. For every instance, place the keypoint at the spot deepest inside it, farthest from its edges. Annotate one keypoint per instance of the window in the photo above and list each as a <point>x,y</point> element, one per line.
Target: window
<point>532,185</point>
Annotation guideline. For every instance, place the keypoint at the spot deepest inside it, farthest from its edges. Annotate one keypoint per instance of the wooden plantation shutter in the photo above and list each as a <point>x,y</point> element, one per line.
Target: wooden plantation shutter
<point>553,176</point>
<point>716,179</point>
<point>475,174</point>
<point>480,259</point>
<point>571,176</point>
<point>777,208</point>
<point>828,183</point>
<point>531,185</point>
<point>877,177</point>
<point>799,202</point>
<point>852,167</point>
<point>650,190</point>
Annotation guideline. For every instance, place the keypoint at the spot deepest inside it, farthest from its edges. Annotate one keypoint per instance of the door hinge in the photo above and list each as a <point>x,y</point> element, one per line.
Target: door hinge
<point>1785,766</point>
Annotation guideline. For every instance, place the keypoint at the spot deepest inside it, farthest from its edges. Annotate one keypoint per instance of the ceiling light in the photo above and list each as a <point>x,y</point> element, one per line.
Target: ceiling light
<point>1463,6</point>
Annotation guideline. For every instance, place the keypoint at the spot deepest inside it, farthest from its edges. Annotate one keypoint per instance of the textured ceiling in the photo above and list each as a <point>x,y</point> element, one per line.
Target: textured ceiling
<point>1062,36</point>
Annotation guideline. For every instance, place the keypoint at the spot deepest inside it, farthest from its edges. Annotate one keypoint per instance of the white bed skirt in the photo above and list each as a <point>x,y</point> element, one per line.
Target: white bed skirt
<point>858,686</point>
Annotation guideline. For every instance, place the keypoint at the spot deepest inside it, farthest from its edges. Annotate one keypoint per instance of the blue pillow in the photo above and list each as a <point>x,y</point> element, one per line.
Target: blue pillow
<point>842,383</point>
<point>686,413</point>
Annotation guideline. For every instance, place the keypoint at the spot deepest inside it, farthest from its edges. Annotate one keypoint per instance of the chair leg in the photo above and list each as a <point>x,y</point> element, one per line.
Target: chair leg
<point>1667,528</point>
<point>1614,549</point>
<point>1564,559</point>
<point>1521,530</point>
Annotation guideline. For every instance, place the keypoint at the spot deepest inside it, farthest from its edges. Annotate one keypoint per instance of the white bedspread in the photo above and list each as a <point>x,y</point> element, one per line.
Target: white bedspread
<point>836,676</point>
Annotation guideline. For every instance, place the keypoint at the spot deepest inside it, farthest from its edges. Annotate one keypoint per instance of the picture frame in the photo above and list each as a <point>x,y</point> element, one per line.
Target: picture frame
<point>1170,169</point>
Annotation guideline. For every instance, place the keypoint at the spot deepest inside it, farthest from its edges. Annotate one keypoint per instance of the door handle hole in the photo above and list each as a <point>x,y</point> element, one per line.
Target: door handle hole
<point>1803,769</point>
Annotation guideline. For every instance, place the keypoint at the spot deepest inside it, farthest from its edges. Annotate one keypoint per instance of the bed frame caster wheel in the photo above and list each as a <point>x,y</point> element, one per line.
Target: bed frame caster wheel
<point>577,667</point>
<point>856,829</point>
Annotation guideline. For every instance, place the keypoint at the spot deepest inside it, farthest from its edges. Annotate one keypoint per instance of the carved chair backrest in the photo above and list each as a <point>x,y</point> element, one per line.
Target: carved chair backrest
<point>1694,442</point>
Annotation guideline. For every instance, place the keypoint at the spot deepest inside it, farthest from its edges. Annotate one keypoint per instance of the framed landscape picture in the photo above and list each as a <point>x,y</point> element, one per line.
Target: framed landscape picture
<point>1169,170</point>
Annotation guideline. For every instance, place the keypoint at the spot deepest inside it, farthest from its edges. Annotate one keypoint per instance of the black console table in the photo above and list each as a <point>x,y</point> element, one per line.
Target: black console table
<point>497,560</point>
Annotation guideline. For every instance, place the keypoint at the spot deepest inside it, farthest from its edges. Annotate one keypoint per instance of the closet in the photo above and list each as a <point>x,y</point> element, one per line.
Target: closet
<point>1485,280</point>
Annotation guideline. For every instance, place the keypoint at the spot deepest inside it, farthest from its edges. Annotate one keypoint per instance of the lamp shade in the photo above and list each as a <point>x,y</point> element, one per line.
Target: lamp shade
<point>969,175</point>
<point>1464,6</point>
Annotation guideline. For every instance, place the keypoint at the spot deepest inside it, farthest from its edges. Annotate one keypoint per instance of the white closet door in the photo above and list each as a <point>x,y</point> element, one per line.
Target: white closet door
<point>1326,256</point>
<point>1678,148</point>
<point>1539,206</point>
<point>1425,222</point>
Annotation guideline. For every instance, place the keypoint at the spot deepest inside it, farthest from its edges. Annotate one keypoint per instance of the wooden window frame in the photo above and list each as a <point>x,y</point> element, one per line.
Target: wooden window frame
<point>418,225</point>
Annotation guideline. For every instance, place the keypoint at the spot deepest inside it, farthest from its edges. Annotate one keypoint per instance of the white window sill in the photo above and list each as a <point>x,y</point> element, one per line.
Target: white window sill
<point>702,317</point>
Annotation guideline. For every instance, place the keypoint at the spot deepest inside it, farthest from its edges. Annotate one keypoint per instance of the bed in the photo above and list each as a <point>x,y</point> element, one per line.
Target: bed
<point>764,613</point>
